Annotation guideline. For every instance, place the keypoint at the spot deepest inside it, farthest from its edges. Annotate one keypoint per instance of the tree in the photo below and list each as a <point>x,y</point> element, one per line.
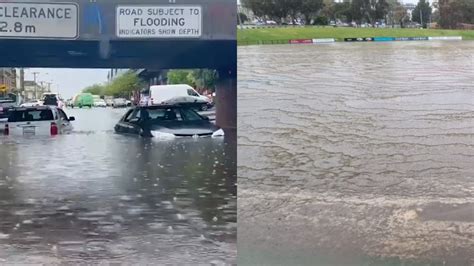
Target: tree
<point>96,89</point>
<point>260,8</point>
<point>124,85</point>
<point>179,77</point>
<point>452,13</point>
<point>197,78</point>
<point>369,10</point>
<point>243,18</point>
<point>309,9</point>
<point>422,13</point>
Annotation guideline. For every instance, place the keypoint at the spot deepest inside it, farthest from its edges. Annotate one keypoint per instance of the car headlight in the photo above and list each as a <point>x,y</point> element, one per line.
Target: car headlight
<point>162,135</point>
<point>218,133</point>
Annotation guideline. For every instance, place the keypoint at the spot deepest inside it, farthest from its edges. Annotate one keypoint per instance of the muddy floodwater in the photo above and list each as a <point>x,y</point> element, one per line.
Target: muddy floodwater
<point>97,197</point>
<point>356,154</point>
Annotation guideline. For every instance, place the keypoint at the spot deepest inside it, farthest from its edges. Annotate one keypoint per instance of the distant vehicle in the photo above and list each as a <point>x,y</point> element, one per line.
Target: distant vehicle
<point>100,103</point>
<point>39,120</point>
<point>165,94</point>
<point>166,121</point>
<point>50,99</point>
<point>32,103</point>
<point>83,100</point>
<point>119,103</point>
<point>128,102</point>
<point>109,102</point>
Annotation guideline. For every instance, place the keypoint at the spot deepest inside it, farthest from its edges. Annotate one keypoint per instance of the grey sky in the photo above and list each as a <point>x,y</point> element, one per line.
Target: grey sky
<point>68,81</point>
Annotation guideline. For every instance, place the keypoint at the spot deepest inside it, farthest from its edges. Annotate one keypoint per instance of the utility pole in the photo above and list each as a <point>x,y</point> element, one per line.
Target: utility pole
<point>421,18</point>
<point>36,85</point>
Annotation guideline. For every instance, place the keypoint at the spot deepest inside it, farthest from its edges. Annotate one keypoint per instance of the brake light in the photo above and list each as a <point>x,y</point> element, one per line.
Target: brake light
<point>54,129</point>
<point>6,132</point>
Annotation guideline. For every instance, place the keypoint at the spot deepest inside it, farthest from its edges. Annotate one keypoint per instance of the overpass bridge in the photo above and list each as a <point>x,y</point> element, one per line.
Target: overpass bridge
<point>155,34</point>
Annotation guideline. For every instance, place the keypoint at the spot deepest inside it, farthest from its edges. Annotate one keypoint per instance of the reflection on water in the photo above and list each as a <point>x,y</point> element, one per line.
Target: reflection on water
<point>97,196</point>
<point>352,148</point>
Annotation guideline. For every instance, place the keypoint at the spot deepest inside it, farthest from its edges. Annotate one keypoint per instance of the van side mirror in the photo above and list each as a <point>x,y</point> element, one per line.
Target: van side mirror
<point>72,118</point>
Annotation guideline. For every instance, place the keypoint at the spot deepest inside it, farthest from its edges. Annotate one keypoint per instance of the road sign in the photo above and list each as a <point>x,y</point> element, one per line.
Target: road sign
<point>39,20</point>
<point>159,21</point>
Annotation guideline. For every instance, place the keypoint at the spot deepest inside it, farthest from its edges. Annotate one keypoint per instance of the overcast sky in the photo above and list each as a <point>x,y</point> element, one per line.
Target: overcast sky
<point>68,81</point>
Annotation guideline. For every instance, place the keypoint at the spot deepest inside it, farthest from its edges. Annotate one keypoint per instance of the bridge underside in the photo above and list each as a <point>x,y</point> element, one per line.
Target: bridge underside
<point>118,54</point>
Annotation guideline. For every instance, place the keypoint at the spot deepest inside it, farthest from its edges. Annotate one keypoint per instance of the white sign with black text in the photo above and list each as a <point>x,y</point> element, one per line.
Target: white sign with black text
<point>39,20</point>
<point>159,21</point>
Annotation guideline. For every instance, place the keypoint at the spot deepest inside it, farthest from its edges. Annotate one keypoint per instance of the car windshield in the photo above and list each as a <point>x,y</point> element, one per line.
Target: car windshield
<point>157,115</point>
<point>30,115</point>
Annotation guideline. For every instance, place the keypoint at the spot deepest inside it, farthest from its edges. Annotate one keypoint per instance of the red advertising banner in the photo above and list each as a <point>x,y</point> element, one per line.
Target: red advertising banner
<point>299,41</point>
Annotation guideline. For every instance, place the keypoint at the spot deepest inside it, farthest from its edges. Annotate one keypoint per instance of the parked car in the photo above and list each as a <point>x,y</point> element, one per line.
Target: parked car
<point>109,102</point>
<point>100,103</point>
<point>38,120</point>
<point>166,121</point>
<point>119,103</point>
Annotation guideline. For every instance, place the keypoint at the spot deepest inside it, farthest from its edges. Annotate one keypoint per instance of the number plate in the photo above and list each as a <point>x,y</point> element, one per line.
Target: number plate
<point>28,130</point>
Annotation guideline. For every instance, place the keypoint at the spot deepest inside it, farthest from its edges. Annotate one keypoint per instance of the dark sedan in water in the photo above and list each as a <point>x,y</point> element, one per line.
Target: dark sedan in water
<point>166,121</point>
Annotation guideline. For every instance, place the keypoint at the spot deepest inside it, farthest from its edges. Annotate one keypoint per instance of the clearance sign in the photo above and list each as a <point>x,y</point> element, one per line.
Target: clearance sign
<point>159,21</point>
<point>39,20</point>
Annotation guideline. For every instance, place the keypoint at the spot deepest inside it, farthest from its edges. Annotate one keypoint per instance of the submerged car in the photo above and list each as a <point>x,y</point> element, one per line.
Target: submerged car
<point>39,120</point>
<point>167,121</point>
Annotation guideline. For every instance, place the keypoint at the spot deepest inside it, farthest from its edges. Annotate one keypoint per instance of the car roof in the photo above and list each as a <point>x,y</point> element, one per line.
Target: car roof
<point>162,106</point>
<point>34,108</point>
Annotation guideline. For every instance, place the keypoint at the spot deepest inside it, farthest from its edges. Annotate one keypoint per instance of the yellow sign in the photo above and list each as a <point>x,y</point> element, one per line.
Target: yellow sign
<point>3,87</point>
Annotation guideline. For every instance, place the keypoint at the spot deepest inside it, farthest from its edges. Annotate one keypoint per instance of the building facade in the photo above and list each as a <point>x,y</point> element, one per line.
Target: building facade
<point>8,78</point>
<point>33,90</point>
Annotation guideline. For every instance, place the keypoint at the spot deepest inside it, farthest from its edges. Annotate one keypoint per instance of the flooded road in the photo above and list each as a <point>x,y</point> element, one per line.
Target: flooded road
<point>364,150</point>
<point>95,196</point>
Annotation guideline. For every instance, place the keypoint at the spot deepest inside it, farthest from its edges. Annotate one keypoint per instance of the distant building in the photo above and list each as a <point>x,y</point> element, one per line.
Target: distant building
<point>8,78</point>
<point>31,87</point>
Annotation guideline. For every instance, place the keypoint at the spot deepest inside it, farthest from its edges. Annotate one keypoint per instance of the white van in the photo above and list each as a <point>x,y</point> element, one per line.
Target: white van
<point>182,93</point>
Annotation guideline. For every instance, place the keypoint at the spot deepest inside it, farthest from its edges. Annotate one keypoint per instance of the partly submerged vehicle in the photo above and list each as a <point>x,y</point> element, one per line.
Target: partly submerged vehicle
<point>167,121</point>
<point>38,120</point>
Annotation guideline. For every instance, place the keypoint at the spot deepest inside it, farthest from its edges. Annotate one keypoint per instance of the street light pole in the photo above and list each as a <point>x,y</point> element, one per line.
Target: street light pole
<point>421,18</point>
<point>36,85</point>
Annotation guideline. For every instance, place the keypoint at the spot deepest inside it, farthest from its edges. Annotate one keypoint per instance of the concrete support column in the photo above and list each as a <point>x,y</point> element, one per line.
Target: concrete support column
<point>226,118</point>
<point>226,101</point>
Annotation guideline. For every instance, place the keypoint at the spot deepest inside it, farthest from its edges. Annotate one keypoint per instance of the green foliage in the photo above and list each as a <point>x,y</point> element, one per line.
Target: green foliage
<point>121,86</point>
<point>96,89</point>
<point>243,18</point>
<point>321,20</point>
<point>422,13</point>
<point>180,77</point>
<point>198,78</point>
<point>124,85</point>
<point>452,13</point>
